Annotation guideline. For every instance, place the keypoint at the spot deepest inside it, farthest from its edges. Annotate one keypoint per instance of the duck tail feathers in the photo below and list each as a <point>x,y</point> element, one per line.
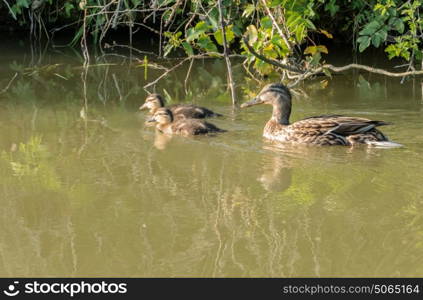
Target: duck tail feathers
<point>384,144</point>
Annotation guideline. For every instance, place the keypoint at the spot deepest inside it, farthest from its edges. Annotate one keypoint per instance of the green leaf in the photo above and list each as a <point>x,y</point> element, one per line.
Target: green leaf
<point>310,24</point>
<point>249,10</point>
<point>332,7</point>
<point>327,73</point>
<point>376,40</point>
<point>197,31</point>
<point>275,3</point>
<point>364,42</point>
<point>418,55</point>
<point>399,25</point>
<point>370,28</point>
<point>22,3</point>
<point>206,43</point>
<point>392,51</point>
<point>266,23</point>
<point>316,49</point>
<point>213,18</point>
<point>68,8</point>
<point>188,48</point>
<point>229,35</point>
<point>316,59</point>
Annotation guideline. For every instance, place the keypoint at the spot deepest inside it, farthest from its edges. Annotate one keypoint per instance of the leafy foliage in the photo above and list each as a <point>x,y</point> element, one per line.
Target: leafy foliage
<point>294,31</point>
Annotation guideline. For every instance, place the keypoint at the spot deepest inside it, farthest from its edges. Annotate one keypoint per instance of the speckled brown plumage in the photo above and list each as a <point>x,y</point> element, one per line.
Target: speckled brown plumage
<point>179,111</point>
<point>319,130</point>
<point>186,127</point>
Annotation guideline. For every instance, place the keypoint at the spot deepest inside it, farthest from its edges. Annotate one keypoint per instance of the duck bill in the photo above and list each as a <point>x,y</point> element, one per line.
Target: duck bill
<point>143,107</point>
<point>252,102</point>
<point>151,120</point>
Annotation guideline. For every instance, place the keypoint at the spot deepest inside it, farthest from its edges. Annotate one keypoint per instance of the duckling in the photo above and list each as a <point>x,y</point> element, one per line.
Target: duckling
<point>186,127</point>
<point>318,130</point>
<point>189,111</point>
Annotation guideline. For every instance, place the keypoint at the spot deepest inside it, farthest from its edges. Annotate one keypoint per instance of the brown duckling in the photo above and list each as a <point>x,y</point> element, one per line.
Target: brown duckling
<point>189,111</point>
<point>319,130</point>
<point>186,127</point>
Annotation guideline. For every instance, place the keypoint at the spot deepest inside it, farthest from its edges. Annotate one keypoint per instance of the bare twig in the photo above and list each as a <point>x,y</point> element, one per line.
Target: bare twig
<point>172,14</point>
<point>283,35</point>
<point>226,53</point>
<point>10,9</point>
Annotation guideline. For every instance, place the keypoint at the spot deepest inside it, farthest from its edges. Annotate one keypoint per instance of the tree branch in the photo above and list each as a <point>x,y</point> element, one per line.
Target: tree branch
<point>304,74</point>
<point>226,53</point>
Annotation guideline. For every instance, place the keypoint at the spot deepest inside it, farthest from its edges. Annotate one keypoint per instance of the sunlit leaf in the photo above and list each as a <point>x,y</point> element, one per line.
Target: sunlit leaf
<point>252,34</point>
<point>229,35</point>
<point>327,34</point>
<point>197,31</point>
<point>316,49</point>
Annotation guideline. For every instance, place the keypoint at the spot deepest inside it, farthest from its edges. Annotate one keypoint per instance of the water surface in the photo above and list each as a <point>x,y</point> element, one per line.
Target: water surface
<point>109,197</point>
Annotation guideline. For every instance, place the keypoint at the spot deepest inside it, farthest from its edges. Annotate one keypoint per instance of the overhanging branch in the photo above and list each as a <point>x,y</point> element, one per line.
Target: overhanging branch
<point>304,74</point>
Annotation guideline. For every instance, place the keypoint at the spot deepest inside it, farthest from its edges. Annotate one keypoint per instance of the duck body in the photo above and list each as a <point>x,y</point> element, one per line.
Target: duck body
<point>188,111</point>
<point>186,127</point>
<point>319,130</point>
<point>326,130</point>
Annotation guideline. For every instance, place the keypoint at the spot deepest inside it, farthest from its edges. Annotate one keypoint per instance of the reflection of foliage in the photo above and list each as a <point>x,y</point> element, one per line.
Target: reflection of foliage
<point>106,84</point>
<point>120,207</point>
<point>31,164</point>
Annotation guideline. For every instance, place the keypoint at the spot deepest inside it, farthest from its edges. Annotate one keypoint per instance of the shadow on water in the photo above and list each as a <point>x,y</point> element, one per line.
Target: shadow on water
<point>106,196</point>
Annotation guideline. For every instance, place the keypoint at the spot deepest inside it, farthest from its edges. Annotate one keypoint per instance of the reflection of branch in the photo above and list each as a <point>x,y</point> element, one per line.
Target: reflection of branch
<point>8,85</point>
<point>166,73</point>
<point>108,46</point>
<point>198,56</point>
<point>186,77</point>
<point>117,87</point>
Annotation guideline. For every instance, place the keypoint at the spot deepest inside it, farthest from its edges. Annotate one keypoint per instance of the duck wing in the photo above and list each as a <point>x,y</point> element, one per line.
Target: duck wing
<point>192,111</point>
<point>336,124</point>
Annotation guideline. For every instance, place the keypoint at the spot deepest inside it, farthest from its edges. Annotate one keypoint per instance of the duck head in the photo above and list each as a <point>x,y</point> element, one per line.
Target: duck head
<point>153,102</point>
<point>162,116</point>
<point>277,95</point>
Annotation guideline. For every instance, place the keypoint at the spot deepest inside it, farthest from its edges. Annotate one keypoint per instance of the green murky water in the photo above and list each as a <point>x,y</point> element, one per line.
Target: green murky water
<point>108,197</point>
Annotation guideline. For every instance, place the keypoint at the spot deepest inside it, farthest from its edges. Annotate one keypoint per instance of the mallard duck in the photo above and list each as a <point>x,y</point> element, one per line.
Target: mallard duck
<point>189,111</point>
<point>319,130</point>
<point>186,127</point>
